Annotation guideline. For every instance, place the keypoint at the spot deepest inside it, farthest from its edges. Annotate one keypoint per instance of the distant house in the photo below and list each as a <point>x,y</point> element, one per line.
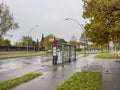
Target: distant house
<point>45,43</point>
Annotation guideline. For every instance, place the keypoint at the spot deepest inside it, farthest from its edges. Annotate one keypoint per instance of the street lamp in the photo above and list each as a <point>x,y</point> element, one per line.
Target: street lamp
<point>81,26</point>
<point>30,32</point>
<point>0,24</point>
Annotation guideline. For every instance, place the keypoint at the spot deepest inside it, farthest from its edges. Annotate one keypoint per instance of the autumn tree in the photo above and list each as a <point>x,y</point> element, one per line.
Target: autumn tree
<point>45,43</point>
<point>6,20</point>
<point>104,17</point>
<point>60,41</point>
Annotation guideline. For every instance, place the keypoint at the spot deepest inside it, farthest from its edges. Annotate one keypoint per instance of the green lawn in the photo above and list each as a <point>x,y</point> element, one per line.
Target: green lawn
<point>105,56</point>
<point>85,80</point>
<point>21,54</point>
<point>6,85</point>
<point>85,55</point>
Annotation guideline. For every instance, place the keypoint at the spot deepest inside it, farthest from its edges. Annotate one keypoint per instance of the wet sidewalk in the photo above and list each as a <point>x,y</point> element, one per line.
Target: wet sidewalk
<point>111,75</point>
<point>110,72</point>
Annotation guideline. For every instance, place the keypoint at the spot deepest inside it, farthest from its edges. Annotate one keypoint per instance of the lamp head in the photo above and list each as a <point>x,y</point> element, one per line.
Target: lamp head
<point>37,25</point>
<point>66,19</point>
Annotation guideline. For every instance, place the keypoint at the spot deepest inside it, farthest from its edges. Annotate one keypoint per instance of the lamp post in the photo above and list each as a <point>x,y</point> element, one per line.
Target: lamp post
<point>29,34</point>
<point>0,24</point>
<point>81,26</point>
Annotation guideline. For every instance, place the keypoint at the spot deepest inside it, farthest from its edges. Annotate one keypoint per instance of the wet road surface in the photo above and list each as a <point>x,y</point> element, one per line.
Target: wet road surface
<point>57,74</point>
<point>11,68</point>
<point>54,75</point>
<point>14,63</point>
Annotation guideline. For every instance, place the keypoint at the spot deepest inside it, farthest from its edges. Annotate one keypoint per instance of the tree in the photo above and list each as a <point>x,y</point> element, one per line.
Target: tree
<point>42,37</point>
<point>19,44</point>
<point>73,41</point>
<point>61,41</point>
<point>4,42</point>
<point>6,20</point>
<point>1,40</point>
<point>82,38</point>
<point>73,38</point>
<point>26,40</point>
<point>41,42</point>
<point>104,16</point>
<point>45,43</point>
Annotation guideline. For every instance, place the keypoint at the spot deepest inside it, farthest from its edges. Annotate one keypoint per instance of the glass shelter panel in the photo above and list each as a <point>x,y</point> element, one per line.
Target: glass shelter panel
<point>65,53</point>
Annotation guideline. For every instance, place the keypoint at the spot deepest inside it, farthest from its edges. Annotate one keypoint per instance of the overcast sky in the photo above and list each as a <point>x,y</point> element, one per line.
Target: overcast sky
<point>50,15</point>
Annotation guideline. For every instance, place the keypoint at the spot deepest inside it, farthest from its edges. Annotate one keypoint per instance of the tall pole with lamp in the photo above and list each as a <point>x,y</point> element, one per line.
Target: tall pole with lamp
<point>81,26</point>
<point>29,34</point>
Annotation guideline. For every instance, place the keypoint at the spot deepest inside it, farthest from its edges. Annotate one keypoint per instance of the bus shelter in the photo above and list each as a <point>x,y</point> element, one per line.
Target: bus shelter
<point>63,53</point>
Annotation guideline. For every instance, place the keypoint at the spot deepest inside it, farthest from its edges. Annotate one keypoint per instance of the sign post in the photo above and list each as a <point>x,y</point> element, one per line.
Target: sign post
<point>111,45</point>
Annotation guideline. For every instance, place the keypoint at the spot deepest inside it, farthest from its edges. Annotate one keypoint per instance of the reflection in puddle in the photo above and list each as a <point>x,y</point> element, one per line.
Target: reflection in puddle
<point>46,59</point>
<point>14,63</point>
<point>9,66</point>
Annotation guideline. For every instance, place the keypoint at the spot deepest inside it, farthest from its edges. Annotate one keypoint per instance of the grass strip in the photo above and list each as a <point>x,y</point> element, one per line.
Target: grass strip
<point>105,56</point>
<point>6,85</point>
<point>17,55</point>
<point>85,80</point>
<point>85,55</point>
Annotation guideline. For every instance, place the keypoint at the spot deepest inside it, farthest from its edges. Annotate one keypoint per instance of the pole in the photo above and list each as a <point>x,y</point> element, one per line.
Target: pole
<point>63,58</point>
<point>29,34</point>
<point>81,26</point>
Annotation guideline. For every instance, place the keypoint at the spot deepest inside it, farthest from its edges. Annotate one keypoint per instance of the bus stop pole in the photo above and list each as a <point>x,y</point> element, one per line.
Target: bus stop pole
<point>69,53</point>
<point>62,53</point>
<point>75,53</point>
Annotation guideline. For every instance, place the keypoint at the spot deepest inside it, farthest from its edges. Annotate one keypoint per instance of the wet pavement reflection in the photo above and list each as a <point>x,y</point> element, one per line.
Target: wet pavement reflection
<point>111,75</point>
<point>14,63</point>
<point>54,76</point>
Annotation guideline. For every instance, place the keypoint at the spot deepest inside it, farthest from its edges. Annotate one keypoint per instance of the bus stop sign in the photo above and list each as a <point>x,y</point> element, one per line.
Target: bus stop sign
<point>54,42</point>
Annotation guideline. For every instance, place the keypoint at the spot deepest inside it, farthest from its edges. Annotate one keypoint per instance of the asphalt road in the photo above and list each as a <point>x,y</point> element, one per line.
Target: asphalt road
<point>55,75</point>
<point>52,75</point>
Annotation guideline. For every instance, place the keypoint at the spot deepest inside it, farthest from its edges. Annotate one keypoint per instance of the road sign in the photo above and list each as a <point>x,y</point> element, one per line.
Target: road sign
<point>51,39</point>
<point>54,42</point>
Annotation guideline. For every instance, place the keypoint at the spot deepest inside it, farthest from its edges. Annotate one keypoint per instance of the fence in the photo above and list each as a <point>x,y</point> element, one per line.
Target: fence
<point>15,48</point>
